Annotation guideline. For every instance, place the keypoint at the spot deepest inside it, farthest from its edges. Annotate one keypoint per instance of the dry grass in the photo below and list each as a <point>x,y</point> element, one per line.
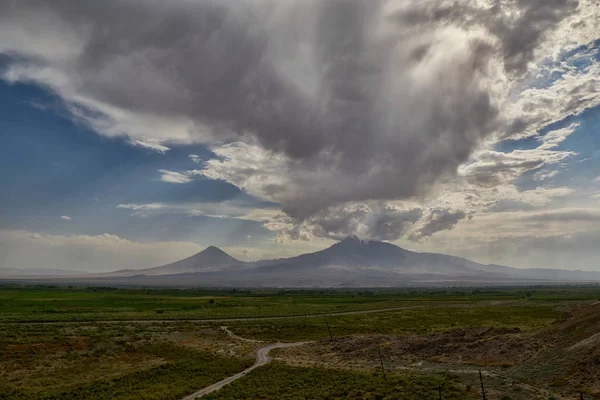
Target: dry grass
<point>475,346</point>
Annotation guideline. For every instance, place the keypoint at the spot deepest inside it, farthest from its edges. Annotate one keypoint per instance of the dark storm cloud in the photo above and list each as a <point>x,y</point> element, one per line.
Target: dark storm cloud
<point>438,219</point>
<point>365,100</point>
<point>519,33</point>
<point>374,221</point>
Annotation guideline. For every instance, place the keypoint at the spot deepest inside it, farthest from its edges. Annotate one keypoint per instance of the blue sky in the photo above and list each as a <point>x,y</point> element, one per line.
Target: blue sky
<point>53,167</point>
<point>131,149</point>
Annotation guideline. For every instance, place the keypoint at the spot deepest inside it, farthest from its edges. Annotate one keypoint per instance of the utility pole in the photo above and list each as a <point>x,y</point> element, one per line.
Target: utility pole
<point>381,362</point>
<point>329,329</point>
<point>482,387</point>
<point>440,391</point>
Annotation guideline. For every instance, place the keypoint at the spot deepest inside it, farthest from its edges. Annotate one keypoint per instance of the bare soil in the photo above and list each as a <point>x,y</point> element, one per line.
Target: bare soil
<point>477,346</point>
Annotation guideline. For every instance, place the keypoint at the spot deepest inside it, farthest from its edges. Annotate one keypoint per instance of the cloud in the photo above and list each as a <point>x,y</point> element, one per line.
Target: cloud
<point>138,207</point>
<point>142,210</point>
<point>195,158</point>
<point>315,105</point>
<point>554,237</point>
<point>535,108</point>
<point>475,199</point>
<point>65,217</point>
<point>493,168</point>
<point>554,138</point>
<point>224,209</point>
<point>257,171</point>
<point>174,176</point>
<point>436,220</point>
<point>566,216</point>
<point>509,205</point>
<point>543,175</point>
<point>375,221</point>
<point>152,145</point>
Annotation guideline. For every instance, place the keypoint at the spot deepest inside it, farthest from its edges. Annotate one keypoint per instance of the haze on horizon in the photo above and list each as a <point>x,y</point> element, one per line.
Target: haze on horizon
<point>273,128</point>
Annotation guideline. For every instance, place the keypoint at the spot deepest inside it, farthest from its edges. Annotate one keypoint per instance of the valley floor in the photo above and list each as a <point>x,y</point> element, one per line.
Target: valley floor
<point>94,343</point>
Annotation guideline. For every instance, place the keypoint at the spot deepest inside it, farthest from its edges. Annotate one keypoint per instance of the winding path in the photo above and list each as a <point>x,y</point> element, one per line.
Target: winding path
<point>236,337</point>
<point>262,358</point>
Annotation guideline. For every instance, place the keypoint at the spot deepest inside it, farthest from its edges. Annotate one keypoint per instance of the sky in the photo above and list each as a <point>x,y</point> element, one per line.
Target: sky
<point>272,128</point>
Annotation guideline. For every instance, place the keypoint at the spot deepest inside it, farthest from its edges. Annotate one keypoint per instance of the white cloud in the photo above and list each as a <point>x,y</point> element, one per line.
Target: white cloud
<point>542,196</point>
<point>174,176</point>
<point>152,145</point>
<point>475,199</point>
<point>259,172</point>
<point>65,217</point>
<point>195,158</point>
<point>554,138</point>
<point>493,168</point>
<point>543,175</point>
<point>224,209</point>
<point>535,108</point>
<point>142,207</point>
<point>143,210</point>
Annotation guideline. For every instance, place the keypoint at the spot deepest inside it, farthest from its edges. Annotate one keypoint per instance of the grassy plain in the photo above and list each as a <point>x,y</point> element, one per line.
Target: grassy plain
<point>426,319</point>
<point>110,361</point>
<point>47,303</point>
<point>101,343</point>
<point>279,381</point>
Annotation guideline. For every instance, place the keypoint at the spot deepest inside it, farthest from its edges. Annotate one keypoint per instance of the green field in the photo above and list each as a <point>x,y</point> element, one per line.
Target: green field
<point>427,319</point>
<point>38,304</point>
<point>103,343</point>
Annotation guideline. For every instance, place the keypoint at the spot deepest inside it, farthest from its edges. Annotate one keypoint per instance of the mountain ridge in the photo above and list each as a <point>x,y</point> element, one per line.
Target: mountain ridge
<point>210,258</point>
<point>349,262</point>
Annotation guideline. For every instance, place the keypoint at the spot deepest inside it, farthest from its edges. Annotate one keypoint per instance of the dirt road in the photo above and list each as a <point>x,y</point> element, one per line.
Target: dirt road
<point>262,358</point>
<point>236,337</point>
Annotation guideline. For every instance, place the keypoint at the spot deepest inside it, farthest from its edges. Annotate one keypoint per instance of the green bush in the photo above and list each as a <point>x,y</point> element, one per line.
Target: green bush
<point>278,381</point>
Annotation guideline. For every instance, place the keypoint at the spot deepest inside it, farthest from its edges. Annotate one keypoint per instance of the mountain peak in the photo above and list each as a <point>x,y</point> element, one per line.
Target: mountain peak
<point>210,258</point>
<point>212,250</point>
<point>353,239</point>
<point>214,255</point>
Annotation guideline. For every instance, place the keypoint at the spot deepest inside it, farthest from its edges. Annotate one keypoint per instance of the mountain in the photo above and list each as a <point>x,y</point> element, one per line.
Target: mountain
<point>351,262</point>
<point>350,252</point>
<point>210,259</point>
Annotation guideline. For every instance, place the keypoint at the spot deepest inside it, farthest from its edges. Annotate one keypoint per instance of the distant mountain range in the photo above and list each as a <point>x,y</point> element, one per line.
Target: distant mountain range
<point>351,262</point>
